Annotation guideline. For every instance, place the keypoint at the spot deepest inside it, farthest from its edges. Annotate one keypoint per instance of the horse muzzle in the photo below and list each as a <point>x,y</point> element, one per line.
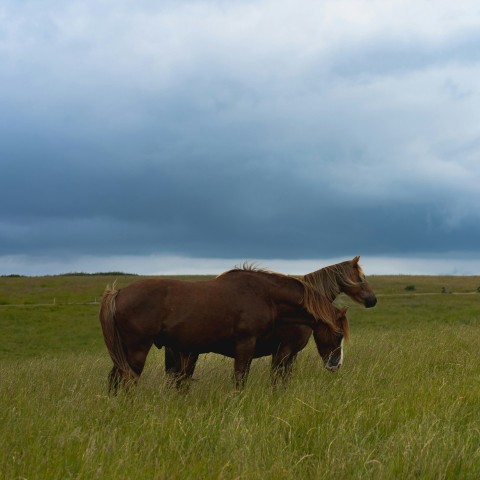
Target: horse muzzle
<point>333,367</point>
<point>335,360</point>
<point>370,301</point>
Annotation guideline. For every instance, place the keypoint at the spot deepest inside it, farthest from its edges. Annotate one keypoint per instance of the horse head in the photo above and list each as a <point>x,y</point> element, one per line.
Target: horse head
<point>354,284</point>
<point>329,339</point>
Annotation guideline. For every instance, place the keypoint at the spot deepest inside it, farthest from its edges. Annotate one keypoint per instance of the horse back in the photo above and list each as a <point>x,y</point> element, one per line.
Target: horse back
<point>190,315</point>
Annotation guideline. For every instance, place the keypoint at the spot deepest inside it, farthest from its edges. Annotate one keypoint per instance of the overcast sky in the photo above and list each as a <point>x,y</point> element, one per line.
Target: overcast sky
<point>177,136</point>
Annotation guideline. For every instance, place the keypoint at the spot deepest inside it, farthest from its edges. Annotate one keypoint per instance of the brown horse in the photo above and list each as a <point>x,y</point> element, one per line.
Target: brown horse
<point>283,341</point>
<point>293,329</point>
<point>227,314</point>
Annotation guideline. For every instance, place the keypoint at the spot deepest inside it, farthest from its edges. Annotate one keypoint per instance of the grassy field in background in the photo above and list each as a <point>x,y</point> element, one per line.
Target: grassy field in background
<point>404,405</point>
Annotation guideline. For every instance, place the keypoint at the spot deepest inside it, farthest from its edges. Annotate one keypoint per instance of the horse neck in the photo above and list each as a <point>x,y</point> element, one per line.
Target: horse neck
<point>314,306</point>
<point>320,290</point>
<point>319,306</point>
<point>279,288</point>
<point>324,281</point>
<point>295,315</point>
<point>284,289</point>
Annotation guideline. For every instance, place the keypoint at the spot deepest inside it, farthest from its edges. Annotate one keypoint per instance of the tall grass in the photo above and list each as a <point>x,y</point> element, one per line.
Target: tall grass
<point>404,405</point>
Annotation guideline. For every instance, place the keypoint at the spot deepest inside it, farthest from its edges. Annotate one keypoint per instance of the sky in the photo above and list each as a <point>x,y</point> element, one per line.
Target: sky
<point>188,136</point>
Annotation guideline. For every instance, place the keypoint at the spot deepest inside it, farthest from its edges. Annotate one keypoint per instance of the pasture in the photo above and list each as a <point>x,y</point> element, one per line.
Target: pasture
<point>405,404</point>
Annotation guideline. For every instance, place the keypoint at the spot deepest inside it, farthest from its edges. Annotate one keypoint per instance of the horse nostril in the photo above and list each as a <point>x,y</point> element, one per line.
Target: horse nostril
<point>370,301</point>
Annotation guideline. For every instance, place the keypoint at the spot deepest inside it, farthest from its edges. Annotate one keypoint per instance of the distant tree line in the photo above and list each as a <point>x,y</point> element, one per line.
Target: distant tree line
<point>76,274</point>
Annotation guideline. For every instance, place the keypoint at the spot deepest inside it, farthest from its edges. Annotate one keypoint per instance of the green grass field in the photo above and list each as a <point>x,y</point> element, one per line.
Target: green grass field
<point>406,403</point>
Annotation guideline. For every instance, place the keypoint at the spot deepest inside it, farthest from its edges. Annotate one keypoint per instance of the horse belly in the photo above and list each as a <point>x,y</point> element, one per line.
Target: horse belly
<point>198,335</point>
<point>295,337</point>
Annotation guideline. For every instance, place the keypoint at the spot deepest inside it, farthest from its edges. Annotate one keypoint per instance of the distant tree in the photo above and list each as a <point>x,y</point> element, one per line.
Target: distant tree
<point>84,274</point>
<point>410,288</point>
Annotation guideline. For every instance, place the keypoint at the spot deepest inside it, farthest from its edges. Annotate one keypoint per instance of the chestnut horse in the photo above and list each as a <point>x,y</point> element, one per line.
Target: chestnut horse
<point>227,314</point>
<point>283,341</point>
<point>293,329</point>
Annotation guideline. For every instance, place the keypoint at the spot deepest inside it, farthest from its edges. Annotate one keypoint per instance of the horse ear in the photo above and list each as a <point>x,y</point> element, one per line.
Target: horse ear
<point>356,259</point>
<point>343,310</point>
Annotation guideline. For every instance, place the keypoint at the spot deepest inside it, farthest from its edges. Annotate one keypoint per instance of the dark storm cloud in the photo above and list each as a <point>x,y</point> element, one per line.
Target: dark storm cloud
<point>141,137</point>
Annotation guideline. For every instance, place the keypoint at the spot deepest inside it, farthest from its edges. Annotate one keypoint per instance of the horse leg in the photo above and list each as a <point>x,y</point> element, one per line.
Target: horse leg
<point>188,363</point>
<point>121,378</point>
<point>114,378</point>
<point>173,364</point>
<point>179,367</point>
<point>244,350</point>
<point>136,356</point>
<point>282,363</point>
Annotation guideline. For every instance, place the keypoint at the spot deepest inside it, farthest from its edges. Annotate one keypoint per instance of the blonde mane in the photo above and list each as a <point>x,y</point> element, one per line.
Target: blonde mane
<point>250,267</point>
<point>323,286</point>
<point>327,281</point>
<point>319,305</point>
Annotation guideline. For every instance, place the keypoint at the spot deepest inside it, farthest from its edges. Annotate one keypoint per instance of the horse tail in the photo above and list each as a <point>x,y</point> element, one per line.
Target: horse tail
<point>115,346</point>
